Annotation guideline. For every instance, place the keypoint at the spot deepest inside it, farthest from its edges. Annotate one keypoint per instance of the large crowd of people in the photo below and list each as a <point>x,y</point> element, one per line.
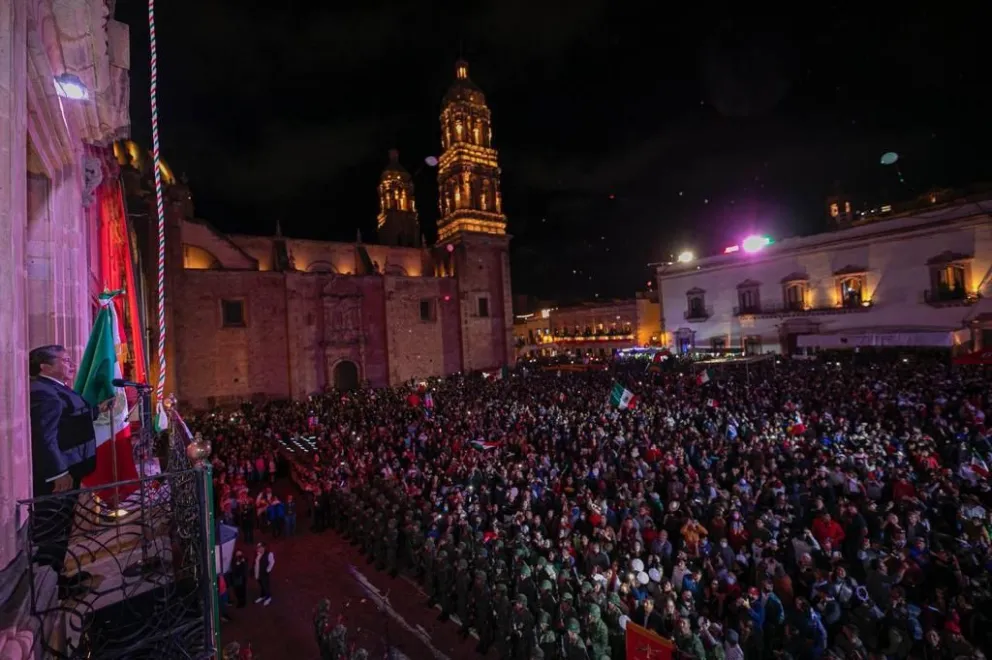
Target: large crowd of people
<point>786,509</point>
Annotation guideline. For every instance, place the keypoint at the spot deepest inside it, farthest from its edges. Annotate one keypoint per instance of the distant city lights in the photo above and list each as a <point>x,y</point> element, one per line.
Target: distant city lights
<point>753,244</point>
<point>686,256</point>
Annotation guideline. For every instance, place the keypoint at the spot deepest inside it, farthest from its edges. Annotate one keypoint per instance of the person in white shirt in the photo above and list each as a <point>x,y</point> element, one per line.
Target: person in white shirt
<point>265,561</point>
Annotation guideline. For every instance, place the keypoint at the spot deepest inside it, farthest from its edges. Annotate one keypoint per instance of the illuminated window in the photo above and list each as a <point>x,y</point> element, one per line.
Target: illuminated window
<point>852,291</point>
<point>795,296</point>
<point>834,210</point>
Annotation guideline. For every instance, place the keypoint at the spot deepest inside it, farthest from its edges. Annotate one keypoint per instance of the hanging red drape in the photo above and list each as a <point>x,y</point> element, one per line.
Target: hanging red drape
<point>116,265</point>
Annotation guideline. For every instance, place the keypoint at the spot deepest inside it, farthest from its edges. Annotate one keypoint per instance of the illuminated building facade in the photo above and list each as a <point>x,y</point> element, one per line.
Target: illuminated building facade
<point>914,280</point>
<point>64,82</point>
<point>275,317</point>
<point>595,329</point>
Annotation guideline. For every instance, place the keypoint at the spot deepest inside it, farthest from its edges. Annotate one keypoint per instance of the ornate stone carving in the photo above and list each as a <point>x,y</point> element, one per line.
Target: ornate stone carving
<point>92,178</point>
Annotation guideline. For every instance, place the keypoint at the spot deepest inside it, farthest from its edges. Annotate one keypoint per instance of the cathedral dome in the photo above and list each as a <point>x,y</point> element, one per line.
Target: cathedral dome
<point>394,169</point>
<point>463,89</point>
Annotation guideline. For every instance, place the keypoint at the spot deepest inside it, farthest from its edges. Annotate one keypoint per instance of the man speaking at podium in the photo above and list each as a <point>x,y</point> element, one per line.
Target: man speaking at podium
<point>63,451</point>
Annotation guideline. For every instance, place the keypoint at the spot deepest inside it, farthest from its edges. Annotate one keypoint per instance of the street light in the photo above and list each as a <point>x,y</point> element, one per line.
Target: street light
<point>686,256</point>
<point>754,243</point>
<point>69,86</point>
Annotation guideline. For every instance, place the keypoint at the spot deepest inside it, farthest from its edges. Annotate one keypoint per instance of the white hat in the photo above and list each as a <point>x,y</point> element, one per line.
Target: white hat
<point>655,575</point>
<point>642,578</point>
<point>636,565</point>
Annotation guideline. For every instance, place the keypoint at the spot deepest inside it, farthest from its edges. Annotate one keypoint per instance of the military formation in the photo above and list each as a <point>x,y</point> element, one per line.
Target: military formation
<point>512,597</point>
<point>332,636</point>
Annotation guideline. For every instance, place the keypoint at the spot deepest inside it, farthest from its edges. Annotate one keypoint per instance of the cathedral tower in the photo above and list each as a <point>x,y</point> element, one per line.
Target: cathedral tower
<point>471,226</point>
<point>469,198</point>
<point>397,220</point>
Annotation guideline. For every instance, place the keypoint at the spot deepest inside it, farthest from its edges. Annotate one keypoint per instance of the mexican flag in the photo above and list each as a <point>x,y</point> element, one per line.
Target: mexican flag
<point>429,401</point>
<point>621,397</point>
<point>703,377</point>
<point>99,367</point>
<point>712,403</point>
<point>483,446</point>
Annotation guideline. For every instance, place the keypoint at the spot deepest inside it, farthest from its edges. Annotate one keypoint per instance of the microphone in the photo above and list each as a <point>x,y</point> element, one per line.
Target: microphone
<point>120,382</point>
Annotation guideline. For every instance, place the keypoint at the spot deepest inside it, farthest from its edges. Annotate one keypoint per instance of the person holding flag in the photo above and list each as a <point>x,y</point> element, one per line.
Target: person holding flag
<point>63,450</point>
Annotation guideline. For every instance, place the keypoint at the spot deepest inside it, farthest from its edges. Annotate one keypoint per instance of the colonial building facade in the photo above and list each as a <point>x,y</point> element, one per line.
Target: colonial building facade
<point>280,317</point>
<point>919,279</point>
<point>64,85</point>
<point>596,329</point>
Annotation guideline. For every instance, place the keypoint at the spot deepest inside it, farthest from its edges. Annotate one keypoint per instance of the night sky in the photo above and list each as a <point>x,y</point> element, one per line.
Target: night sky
<point>626,134</point>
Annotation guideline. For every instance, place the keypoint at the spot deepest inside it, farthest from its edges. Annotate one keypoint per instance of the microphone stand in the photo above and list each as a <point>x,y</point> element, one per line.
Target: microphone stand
<point>147,565</point>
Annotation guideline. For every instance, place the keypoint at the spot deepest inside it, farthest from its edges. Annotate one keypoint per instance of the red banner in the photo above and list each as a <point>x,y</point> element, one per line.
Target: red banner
<point>642,644</point>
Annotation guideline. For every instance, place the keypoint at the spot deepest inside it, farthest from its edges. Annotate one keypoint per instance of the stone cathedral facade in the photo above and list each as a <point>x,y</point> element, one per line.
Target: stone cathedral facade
<point>254,317</point>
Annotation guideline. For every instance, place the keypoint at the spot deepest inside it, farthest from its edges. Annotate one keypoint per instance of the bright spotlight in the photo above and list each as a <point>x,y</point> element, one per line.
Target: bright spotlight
<point>755,243</point>
<point>686,256</point>
<point>69,86</point>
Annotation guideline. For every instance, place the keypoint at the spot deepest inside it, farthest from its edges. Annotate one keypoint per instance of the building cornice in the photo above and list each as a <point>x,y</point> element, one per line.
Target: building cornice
<point>80,37</point>
<point>969,215</point>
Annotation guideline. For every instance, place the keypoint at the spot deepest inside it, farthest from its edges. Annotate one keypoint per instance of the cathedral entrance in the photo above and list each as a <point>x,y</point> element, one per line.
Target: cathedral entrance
<point>346,375</point>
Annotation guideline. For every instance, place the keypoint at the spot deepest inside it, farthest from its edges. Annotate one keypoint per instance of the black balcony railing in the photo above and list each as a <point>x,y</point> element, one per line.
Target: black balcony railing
<point>800,308</point>
<point>698,313</point>
<point>147,546</point>
<point>942,296</point>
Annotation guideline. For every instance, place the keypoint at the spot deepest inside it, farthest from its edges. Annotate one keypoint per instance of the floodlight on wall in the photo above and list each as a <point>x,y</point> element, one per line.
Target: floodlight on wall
<point>686,256</point>
<point>69,86</point>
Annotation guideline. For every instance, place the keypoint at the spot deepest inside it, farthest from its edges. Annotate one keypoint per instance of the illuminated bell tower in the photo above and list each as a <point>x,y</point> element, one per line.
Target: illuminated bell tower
<point>469,197</point>
<point>397,220</point>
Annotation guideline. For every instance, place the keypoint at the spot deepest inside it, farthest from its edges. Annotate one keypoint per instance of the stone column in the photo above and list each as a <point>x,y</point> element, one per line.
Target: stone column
<point>15,442</point>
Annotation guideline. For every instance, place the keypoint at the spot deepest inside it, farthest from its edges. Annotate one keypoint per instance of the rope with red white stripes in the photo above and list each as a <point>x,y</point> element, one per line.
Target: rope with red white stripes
<point>159,204</point>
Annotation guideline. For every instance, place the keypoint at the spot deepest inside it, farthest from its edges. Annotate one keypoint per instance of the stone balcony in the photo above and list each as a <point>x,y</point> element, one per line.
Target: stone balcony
<point>787,309</point>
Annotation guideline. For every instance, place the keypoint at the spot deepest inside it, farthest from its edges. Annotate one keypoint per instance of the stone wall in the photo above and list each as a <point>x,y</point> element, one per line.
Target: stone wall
<point>482,270</point>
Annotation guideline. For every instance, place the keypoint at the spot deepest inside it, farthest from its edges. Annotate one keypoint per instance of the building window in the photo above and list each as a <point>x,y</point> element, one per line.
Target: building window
<point>696,304</point>
<point>748,299</point>
<point>794,294</point>
<point>852,291</point>
<point>483,307</point>
<point>950,281</point>
<point>232,313</point>
<point>718,344</point>
<point>427,310</point>
<point>752,345</point>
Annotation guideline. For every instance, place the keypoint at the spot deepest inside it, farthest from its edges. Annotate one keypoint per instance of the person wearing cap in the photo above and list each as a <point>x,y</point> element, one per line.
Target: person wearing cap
<point>522,628</point>
<point>572,645</point>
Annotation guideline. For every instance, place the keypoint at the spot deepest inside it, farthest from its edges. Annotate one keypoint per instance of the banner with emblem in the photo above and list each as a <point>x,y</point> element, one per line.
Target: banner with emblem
<point>642,644</point>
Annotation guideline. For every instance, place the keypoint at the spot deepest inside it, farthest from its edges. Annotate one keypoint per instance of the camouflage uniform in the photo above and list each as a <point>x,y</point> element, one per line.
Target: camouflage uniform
<point>547,640</point>
<point>503,627</point>
<point>574,648</point>
<point>463,594</point>
<point>482,616</point>
<point>523,630</point>
<point>599,635</point>
<point>392,547</point>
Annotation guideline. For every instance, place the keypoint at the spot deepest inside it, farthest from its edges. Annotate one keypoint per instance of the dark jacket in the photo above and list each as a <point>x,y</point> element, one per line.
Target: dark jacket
<point>62,436</point>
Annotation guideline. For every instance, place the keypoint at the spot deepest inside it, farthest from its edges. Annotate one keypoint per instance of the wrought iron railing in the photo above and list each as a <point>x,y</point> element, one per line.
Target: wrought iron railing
<point>139,578</point>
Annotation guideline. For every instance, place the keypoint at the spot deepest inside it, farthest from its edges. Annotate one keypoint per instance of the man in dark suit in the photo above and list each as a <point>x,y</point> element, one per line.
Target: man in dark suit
<point>63,451</point>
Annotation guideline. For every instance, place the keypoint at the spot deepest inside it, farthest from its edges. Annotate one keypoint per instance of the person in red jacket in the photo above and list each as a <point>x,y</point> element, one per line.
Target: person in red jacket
<point>825,527</point>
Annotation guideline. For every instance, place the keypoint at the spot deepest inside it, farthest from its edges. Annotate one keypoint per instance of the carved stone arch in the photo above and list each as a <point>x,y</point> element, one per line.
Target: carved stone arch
<point>322,267</point>
<point>346,374</point>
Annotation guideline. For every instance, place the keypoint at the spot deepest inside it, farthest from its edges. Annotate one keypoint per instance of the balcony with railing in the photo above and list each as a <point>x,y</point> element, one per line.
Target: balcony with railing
<point>796,308</point>
<point>947,297</point>
<point>700,313</point>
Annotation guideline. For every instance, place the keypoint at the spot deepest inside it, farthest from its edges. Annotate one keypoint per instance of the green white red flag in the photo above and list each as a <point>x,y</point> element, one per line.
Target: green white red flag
<point>94,381</point>
<point>621,397</point>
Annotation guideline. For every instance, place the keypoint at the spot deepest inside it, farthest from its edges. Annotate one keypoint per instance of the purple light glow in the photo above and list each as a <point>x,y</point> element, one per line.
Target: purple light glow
<point>752,244</point>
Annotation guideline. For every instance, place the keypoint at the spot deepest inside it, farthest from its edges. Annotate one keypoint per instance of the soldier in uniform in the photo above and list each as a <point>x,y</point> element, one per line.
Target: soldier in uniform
<point>566,612</point>
<point>547,640</point>
<point>523,629</point>
<point>431,562</point>
<point>463,595</point>
<point>482,615</point>
<point>503,627</point>
<point>445,587</point>
<point>599,634</point>
<point>614,610</point>
<point>546,599</point>
<point>525,585</point>
<point>392,547</point>
<point>573,646</point>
